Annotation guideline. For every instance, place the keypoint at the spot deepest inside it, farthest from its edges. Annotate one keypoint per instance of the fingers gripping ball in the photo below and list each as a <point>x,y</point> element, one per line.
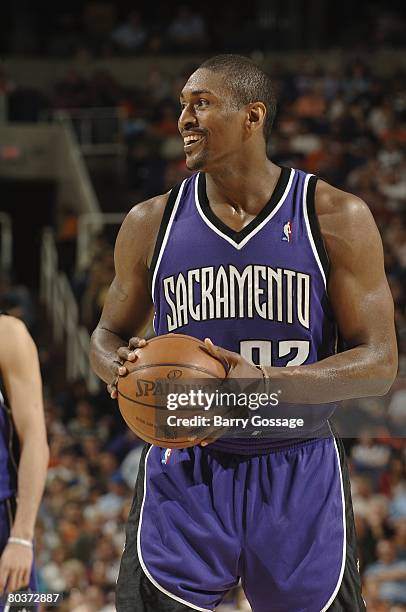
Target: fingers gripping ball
<point>167,363</point>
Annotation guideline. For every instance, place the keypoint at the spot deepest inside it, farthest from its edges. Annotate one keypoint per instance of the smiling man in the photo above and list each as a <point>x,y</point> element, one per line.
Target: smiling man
<point>269,264</point>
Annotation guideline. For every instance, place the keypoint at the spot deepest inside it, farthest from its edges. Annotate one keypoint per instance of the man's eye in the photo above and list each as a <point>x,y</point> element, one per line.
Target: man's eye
<point>202,103</point>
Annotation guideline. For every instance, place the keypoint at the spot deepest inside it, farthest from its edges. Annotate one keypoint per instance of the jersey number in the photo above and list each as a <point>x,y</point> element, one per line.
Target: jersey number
<point>262,349</point>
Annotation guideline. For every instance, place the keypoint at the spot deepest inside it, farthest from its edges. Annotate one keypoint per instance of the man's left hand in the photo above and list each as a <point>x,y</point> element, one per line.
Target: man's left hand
<point>236,366</point>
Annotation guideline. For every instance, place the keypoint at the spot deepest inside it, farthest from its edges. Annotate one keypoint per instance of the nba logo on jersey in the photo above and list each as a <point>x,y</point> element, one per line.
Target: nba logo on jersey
<point>287,231</point>
<point>166,456</point>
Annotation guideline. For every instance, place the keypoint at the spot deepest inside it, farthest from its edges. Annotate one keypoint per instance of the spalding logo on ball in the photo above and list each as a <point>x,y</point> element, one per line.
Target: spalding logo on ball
<point>176,358</point>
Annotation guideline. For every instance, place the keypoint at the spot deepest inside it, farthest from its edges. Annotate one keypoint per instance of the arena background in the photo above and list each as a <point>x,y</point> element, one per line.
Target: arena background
<point>88,128</point>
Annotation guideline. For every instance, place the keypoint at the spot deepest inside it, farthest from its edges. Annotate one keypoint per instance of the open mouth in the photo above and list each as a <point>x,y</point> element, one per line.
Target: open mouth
<point>191,142</point>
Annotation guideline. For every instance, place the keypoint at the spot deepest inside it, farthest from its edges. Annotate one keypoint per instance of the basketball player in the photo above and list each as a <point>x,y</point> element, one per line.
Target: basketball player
<point>23,456</point>
<point>265,263</point>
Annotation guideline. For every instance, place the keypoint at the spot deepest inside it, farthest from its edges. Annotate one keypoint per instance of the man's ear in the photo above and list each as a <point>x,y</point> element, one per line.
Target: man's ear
<point>256,116</point>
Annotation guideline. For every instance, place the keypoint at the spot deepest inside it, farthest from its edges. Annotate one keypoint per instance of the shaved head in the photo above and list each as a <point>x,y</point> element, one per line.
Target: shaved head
<point>248,83</point>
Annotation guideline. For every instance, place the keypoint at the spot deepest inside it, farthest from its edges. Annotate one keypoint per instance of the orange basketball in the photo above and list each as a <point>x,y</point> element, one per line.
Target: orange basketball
<point>167,363</point>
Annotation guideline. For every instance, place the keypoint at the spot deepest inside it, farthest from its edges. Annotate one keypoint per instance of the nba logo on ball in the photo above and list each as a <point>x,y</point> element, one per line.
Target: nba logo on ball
<point>166,456</point>
<point>287,231</point>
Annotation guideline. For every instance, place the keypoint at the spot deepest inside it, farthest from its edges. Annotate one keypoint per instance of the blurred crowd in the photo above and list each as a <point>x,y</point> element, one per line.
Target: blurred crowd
<point>349,127</point>
<point>103,28</point>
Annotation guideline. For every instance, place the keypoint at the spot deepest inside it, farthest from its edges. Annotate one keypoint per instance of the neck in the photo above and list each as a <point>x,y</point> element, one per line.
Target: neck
<point>245,185</point>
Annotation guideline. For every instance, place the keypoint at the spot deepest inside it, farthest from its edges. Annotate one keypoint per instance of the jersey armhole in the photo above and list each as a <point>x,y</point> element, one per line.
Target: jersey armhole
<point>163,232</point>
<point>315,236</point>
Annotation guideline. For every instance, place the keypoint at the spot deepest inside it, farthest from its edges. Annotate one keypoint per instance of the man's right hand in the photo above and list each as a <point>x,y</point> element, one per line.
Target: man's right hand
<point>124,353</point>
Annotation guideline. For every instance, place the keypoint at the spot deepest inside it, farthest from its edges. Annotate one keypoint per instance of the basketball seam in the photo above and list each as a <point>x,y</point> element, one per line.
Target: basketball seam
<point>179,365</point>
<point>172,336</point>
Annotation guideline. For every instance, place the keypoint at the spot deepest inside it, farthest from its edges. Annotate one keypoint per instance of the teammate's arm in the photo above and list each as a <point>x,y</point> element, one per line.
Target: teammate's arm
<point>128,306</point>
<point>363,307</point>
<point>22,378</point>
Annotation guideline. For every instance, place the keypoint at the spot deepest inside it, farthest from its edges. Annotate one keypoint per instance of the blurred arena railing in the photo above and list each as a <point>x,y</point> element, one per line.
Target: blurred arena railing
<point>98,130</point>
<point>74,180</point>
<point>58,298</point>
<point>6,241</point>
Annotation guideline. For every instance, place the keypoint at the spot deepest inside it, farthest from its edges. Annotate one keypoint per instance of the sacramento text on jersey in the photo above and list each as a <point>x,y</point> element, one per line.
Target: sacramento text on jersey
<point>226,293</point>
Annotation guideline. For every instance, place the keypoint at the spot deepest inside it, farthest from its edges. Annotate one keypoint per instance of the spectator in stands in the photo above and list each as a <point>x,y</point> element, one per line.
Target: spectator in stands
<point>187,31</point>
<point>101,274</point>
<point>389,573</point>
<point>17,300</point>
<point>72,92</point>
<point>130,36</point>
<point>369,457</point>
<point>112,502</point>
<point>98,19</point>
<point>83,423</point>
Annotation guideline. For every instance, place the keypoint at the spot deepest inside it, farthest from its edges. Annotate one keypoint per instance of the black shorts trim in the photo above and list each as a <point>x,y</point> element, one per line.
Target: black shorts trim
<point>348,598</point>
<point>134,591</point>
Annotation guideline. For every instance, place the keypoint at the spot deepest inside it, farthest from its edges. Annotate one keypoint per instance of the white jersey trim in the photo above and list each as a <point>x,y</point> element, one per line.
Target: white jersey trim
<point>309,230</point>
<point>344,553</point>
<point>240,245</point>
<point>144,567</point>
<point>165,240</point>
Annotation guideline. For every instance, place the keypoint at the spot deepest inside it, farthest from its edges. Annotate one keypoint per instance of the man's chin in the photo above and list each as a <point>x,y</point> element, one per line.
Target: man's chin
<point>195,163</point>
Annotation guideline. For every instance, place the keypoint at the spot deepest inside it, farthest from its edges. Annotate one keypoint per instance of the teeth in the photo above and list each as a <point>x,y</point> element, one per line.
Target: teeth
<point>189,139</point>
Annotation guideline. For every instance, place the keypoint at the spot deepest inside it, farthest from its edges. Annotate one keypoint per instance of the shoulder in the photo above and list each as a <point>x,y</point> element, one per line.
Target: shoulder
<point>11,327</point>
<point>147,213</point>
<point>14,338</point>
<point>343,217</point>
<point>338,204</point>
<point>138,232</point>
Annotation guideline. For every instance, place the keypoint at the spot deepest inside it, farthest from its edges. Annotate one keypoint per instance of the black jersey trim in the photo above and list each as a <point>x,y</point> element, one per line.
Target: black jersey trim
<point>238,237</point>
<point>315,226</point>
<point>162,230</point>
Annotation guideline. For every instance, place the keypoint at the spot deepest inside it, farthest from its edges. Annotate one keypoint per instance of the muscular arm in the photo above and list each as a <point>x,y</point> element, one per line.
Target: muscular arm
<point>363,307</point>
<point>21,374</point>
<point>128,305</point>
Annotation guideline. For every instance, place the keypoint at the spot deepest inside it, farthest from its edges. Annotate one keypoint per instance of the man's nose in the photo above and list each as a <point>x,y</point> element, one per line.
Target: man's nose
<point>187,119</point>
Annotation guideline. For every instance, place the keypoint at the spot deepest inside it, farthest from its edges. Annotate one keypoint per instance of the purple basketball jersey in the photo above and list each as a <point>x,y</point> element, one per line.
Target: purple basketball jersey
<point>261,291</point>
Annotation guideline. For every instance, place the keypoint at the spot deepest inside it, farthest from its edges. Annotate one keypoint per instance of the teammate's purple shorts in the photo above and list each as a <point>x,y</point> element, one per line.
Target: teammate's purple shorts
<point>206,518</point>
<point>7,508</point>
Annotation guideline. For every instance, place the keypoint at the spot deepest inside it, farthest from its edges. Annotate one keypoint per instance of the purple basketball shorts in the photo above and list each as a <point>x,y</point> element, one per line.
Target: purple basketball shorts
<point>202,520</point>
